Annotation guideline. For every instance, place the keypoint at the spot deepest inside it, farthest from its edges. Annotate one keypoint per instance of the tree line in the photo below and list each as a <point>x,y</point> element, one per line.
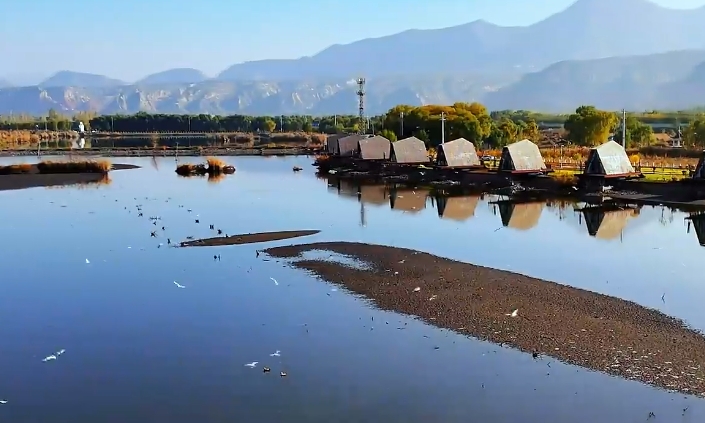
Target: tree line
<point>53,121</point>
<point>587,126</point>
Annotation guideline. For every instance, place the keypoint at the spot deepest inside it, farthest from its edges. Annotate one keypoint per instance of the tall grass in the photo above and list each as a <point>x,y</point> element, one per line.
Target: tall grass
<point>15,138</point>
<point>215,165</point>
<point>85,166</point>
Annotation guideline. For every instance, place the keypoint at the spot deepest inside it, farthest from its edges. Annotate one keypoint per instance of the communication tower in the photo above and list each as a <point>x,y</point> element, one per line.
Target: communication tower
<point>361,105</point>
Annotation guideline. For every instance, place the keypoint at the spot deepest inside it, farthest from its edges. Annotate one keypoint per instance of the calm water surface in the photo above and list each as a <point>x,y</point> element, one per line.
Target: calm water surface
<point>140,349</point>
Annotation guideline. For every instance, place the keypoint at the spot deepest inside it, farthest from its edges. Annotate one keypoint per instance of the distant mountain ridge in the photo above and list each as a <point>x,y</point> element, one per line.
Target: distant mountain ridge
<point>667,81</point>
<point>610,53</point>
<point>174,76</point>
<point>80,79</point>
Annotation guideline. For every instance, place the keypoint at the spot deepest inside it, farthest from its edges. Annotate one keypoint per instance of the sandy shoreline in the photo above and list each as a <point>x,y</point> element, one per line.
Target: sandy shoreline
<point>247,238</point>
<point>576,326</point>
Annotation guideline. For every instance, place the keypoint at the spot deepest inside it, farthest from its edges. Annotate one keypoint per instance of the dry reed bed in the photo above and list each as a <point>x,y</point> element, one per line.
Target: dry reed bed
<point>22,137</point>
<point>213,166</point>
<point>53,167</point>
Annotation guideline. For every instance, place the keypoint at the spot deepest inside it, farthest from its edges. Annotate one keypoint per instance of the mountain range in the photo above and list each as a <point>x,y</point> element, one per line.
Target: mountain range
<point>610,53</point>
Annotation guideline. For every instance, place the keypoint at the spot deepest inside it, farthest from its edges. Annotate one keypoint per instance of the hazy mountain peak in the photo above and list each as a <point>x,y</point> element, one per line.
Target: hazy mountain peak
<point>79,79</point>
<point>174,76</point>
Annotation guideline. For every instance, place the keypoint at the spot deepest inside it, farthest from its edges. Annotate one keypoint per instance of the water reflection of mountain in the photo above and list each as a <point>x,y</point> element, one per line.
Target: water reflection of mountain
<point>408,200</point>
<point>521,216</point>
<point>607,224</point>
<point>457,208</point>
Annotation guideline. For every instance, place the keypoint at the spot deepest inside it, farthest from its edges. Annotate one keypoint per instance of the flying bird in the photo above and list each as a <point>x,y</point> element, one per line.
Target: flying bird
<point>252,365</point>
<point>3,401</point>
<point>179,285</point>
<point>276,354</point>
<point>88,262</point>
<point>275,281</point>
<point>49,358</point>
<point>514,313</point>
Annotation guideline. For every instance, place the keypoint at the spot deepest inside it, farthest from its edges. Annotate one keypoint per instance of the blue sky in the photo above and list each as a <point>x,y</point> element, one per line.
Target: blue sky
<point>128,39</point>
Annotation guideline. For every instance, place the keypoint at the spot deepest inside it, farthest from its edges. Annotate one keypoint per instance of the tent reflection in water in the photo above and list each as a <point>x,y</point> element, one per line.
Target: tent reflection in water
<point>698,222</point>
<point>457,208</point>
<point>521,216</point>
<point>609,160</point>
<point>408,200</point>
<point>607,225</point>
<point>374,194</point>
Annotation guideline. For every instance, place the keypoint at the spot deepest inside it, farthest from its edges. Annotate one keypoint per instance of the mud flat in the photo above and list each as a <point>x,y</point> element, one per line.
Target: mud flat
<point>32,178</point>
<point>591,330</point>
<point>247,238</point>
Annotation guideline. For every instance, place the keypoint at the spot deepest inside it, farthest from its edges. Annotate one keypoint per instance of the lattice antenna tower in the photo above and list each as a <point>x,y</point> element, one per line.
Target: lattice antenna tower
<point>361,105</point>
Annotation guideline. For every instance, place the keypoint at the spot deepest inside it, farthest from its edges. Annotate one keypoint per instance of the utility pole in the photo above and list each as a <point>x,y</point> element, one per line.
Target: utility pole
<point>443,128</point>
<point>401,125</point>
<point>335,121</point>
<point>281,123</point>
<point>624,128</point>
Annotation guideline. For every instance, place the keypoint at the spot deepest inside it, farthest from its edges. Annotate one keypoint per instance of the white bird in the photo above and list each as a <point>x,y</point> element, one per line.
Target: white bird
<point>514,313</point>
<point>61,351</point>
<point>3,401</point>
<point>88,262</point>
<point>275,281</point>
<point>179,285</point>
<point>417,289</point>
<point>433,297</point>
<point>276,354</point>
<point>252,365</point>
<point>49,358</point>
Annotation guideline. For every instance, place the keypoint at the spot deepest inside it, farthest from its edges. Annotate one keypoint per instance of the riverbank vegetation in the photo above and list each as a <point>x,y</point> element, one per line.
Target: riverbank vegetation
<point>54,167</point>
<point>587,126</point>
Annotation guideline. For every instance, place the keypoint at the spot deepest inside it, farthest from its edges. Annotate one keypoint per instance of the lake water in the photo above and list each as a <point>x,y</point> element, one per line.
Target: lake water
<point>140,349</point>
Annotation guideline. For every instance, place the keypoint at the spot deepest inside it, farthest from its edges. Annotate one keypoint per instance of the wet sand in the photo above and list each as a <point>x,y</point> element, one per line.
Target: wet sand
<point>576,326</point>
<point>36,180</point>
<point>247,238</point>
